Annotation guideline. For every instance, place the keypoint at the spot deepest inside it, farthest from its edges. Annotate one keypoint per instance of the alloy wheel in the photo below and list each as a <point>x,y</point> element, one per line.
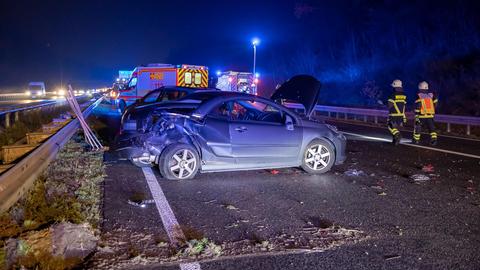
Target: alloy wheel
<point>183,163</point>
<point>317,157</point>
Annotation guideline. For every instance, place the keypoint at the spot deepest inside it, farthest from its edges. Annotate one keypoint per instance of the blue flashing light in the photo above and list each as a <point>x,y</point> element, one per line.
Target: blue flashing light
<point>257,75</point>
<point>219,73</point>
<point>255,41</point>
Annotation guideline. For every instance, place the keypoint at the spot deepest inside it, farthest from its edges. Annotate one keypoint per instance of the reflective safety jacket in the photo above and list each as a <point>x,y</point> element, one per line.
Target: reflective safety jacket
<point>425,104</point>
<point>396,104</point>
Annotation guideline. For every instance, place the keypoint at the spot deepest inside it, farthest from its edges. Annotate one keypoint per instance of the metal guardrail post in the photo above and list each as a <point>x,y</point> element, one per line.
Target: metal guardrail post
<point>7,120</point>
<point>16,117</point>
<point>448,127</point>
<point>364,118</point>
<point>468,129</point>
<point>376,119</point>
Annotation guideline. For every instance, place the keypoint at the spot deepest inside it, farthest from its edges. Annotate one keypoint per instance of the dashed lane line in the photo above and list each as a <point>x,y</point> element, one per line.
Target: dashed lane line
<point>170,223</point>
<point>413,145</point>
<point>190,266</point>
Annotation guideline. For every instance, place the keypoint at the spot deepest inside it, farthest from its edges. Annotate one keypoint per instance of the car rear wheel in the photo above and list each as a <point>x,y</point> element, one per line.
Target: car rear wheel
<point>319,157</point>
<point>179,161</point>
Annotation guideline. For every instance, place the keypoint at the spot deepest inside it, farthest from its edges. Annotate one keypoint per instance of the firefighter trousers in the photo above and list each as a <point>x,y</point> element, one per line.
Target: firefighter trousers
<point>424,123</point>
<point>394,122</point>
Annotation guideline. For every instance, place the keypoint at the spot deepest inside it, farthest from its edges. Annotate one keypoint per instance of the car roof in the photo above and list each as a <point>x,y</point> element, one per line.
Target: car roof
<point>186,89</point>
<point>216,97</point>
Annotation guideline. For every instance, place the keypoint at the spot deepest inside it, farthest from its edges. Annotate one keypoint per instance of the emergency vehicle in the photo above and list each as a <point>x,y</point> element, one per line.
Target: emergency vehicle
<point>237,82</point>
<point>147,78</point>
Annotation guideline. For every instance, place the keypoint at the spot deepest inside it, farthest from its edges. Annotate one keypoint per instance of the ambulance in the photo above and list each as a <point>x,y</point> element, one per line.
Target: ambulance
<point>147,78</point>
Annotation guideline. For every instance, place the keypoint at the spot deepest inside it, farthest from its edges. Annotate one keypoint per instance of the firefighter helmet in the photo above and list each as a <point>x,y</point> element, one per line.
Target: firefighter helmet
<point>423,85</point>
<point>397,84</point>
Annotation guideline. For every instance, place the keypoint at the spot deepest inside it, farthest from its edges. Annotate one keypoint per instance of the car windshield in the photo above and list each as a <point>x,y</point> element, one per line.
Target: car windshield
<point>35,87</point>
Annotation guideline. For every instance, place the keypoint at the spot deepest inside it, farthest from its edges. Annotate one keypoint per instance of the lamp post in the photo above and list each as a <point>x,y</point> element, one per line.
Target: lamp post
<point>255,42</point>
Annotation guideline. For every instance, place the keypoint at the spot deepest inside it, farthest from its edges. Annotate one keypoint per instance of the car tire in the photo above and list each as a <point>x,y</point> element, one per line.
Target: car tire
<point>318,157</point>
<point>179,161</point>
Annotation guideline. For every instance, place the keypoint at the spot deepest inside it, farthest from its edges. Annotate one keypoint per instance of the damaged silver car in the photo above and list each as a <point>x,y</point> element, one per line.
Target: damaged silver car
<point>211,131</point>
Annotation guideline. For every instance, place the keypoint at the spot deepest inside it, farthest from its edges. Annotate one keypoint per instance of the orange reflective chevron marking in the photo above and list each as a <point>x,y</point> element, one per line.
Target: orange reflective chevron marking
<point>189,80</point>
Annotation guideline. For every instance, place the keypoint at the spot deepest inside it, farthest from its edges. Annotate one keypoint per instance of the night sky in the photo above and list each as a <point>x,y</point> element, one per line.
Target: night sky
<point>348,45</point>
<point>86,43</point>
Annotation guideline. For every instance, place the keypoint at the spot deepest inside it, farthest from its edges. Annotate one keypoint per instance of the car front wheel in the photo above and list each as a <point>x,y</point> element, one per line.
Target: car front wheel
<point>318,157</point>
<point>179,161</point>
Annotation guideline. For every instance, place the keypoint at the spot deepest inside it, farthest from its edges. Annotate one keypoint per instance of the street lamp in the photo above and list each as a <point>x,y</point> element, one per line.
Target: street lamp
<point>255,42</point>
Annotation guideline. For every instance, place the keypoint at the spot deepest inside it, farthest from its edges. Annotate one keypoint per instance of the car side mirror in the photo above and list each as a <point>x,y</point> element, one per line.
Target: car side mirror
<point>289,122</point>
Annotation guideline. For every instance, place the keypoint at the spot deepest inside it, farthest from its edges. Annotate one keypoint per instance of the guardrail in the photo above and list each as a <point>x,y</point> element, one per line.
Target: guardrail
<point>7,114</point>
<point>12,96</point>
<point>19,178</point>
<point>332,111</point>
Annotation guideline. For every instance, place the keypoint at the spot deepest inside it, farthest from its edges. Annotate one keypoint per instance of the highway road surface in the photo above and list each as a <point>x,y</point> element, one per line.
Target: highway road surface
<point>395,221</point>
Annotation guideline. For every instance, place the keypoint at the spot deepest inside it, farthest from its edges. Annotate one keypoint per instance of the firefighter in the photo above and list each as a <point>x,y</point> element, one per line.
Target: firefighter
<point>424,113</point>
<point>396,111</point>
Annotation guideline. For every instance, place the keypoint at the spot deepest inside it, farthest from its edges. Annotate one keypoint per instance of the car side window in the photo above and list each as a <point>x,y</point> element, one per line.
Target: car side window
<point>152,97</point>
<point>171,95</point>
<point>261,112</point>
<point>222,111</point>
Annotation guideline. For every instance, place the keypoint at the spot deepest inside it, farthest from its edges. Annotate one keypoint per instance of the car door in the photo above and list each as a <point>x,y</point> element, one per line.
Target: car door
<point>215,142</point>
<point>261,136</point>
<point>215,132</point>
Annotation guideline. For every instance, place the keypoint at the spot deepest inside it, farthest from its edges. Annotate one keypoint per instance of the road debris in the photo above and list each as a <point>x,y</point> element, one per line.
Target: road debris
<point>428,168</point>
<point>230,207</point>
<point>141,204</point>
<point>354,172</point>
<point>274,172</point>
<point>391,257</point>
<point>419,178</point>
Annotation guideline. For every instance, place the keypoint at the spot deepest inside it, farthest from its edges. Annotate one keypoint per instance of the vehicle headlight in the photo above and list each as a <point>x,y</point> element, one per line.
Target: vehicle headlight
<point>61,92</point>
<point>28,93</point>
<point>39,93</point>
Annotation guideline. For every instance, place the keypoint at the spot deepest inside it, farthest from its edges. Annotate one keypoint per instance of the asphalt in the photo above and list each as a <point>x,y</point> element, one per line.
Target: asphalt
<point>408,225</point>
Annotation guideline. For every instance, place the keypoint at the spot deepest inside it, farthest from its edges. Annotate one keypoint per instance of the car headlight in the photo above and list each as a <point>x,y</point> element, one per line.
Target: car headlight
<point>28,93</point>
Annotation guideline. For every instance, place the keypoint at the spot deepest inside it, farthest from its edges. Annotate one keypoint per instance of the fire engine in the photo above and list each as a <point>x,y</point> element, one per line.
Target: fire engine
<point>237,82</point>
<point>147,78</point>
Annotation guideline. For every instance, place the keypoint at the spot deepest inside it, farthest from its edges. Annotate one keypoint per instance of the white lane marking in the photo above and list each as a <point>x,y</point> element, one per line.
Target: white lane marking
<point>413,145</point>
<point>190,266</point>
<point>404,130</point>
<point>166,214</point>
<point>170,223</point>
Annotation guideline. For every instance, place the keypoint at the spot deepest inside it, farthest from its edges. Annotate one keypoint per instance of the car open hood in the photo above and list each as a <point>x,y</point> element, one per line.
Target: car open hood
<point>303,89</point>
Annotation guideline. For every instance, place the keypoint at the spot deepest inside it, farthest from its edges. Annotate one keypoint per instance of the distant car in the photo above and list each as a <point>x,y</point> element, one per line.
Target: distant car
<point>137,112</point>
<point>211,131</point>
